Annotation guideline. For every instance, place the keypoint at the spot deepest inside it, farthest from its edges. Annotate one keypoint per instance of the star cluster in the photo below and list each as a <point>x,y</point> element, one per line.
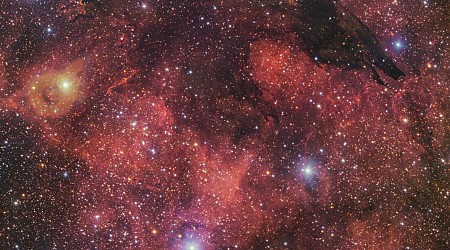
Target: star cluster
<point>224,124</point>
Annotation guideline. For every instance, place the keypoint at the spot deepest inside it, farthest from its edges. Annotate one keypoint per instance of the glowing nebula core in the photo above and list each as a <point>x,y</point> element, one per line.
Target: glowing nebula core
<point>54,93</point>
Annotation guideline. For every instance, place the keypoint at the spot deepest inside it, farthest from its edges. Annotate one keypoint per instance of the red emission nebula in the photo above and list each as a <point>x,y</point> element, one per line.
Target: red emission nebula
<point>224,124</point>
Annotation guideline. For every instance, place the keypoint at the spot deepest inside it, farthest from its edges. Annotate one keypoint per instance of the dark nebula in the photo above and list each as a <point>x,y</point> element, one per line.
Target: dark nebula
<point>224,124</point>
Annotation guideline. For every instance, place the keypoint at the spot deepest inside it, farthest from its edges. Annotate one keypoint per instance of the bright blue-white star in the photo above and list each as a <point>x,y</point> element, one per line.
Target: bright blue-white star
<point>192,244</point>
<point>307,170</point>
<point>65,174</point>
<point>399,45</point>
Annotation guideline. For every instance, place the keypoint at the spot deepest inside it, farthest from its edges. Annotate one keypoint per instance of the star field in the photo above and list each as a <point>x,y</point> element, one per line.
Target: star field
<point>224,124</point>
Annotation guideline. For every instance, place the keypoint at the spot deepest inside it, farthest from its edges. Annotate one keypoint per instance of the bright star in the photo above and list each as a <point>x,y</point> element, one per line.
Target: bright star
<point>307,170</point>
<point>191,245</point>
<point>65,84</point>
<point>399,45</point>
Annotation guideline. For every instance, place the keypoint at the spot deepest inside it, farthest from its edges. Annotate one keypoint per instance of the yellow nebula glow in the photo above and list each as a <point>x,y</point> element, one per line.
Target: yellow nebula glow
<point>54,93</point>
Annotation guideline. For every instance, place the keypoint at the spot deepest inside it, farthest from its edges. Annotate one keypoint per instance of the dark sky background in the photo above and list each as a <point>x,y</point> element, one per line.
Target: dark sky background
<point>224,124</point>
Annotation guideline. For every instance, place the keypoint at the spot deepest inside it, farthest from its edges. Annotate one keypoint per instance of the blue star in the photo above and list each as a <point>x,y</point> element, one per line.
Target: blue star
<point>399,45</point>
<point>65,174</point>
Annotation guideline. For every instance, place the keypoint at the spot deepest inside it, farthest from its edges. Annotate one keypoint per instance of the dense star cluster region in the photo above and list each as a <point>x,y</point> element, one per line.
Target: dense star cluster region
<point>224,124</point>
